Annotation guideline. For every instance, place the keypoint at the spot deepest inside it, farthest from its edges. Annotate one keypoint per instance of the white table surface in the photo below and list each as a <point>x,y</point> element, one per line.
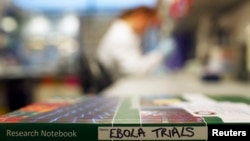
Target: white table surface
<point>178,83</point>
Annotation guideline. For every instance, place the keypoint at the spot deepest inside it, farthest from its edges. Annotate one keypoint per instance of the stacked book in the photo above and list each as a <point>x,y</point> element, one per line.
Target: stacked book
<point>162,117</point>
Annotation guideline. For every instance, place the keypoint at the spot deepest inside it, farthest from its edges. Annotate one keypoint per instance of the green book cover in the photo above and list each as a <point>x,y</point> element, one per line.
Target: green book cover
<point>166,117</point>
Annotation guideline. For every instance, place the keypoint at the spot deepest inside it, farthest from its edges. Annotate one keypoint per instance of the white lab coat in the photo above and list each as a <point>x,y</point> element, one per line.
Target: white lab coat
<point>120,52</point>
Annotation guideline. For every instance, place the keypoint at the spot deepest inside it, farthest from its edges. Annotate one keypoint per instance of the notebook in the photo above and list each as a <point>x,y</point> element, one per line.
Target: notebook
<point>161,117</point>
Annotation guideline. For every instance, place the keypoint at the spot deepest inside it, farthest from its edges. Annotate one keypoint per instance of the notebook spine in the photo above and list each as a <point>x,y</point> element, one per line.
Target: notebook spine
<point>93,132</point>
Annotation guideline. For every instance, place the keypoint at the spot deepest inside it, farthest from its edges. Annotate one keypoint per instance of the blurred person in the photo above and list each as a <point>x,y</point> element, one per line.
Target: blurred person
<point>120,50</point>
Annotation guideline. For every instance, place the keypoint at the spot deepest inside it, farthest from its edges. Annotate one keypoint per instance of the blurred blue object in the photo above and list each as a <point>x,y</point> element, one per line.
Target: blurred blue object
<point>51,5</point>
<point>82,5</point>
<point>167,46</point>
<point>123,4</point>
<point>151,39</point>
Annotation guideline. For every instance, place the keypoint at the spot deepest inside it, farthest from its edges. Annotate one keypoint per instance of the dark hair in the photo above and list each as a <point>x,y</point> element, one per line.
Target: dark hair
<point>143,9</point>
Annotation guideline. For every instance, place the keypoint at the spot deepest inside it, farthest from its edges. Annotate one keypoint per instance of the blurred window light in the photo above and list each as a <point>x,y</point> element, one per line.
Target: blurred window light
<point>124,4</point>
<point>82,5</point>
<point>69,25</point>
<point>51,5</point>
<point>38,25</point>
<point>9,24</point>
